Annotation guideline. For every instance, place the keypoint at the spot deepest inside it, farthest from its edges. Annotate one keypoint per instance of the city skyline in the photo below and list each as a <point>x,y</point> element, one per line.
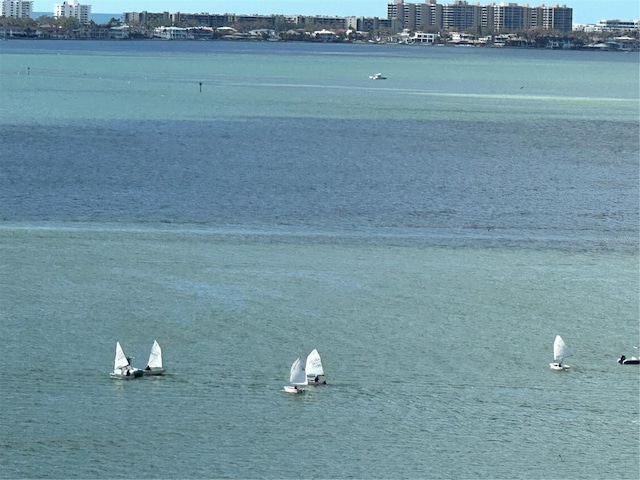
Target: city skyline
<point>584,11</point>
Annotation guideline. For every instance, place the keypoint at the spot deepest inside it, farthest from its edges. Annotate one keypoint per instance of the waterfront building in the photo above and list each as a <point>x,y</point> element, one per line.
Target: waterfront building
<point>462,15</point>
<point>324,35</point>
<point>615,26</point>
<point>140,18</point>
<point>325,21</point>
<point>557,18</point>
<point>368,24</point>
<point>425,38</point>
<point>17,8</point>
<point>120,32</point>
<point>172,33</point>
<point>620,25</point>
<point>510,17</point>
<point>72,9</point>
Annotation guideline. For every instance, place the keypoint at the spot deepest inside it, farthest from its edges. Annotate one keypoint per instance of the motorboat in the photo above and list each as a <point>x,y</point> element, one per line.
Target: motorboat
<point>377,76</point>
<point>629,361</point>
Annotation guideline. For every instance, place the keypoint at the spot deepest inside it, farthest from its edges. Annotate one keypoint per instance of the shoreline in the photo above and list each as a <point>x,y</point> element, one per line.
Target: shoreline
<point>587,48</point>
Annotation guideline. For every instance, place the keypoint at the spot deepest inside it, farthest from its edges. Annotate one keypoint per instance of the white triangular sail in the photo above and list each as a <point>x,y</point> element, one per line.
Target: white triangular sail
<point>155,357</point>
<point>121,360</point>
<point>314,364</point>
<point>560,349</point>
<point>298,375</point>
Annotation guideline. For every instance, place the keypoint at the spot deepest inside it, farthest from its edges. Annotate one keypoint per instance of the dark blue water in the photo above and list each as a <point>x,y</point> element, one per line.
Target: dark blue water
<point>570,179</point>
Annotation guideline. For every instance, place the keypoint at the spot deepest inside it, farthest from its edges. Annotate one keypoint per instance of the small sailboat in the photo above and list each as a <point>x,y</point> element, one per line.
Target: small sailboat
<point>560,352</point>
<point>122,368</point>
<point>297,378</point>
<point>154,365</point>
<point>315,372</point>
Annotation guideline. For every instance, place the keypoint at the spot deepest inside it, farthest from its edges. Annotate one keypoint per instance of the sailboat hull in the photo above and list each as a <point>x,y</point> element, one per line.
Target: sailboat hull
<point>312,380</point>
<point>123,375</point>
<point>629,361</point>
<point>153,371</point>
<point>557,366</point>
<point>292,389</point>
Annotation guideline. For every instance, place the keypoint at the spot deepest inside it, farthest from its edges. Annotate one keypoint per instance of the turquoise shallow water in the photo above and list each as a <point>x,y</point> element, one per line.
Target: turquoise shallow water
<point>429,235</point>
<point>437,359</point>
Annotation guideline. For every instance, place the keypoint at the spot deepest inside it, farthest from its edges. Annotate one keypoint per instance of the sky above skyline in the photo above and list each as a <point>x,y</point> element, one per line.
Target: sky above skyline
<point>584,11</point>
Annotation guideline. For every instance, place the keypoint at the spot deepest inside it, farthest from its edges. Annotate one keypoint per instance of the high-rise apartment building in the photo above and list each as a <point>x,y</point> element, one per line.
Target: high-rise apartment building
<point>461,15</point>
<point>511,17</point>
<point>557,18</point>
<point>73,9</point>
<point>17,8</point>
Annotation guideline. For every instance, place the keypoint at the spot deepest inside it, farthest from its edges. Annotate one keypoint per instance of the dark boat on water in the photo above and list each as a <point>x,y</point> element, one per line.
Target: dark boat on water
<point>629,361</point>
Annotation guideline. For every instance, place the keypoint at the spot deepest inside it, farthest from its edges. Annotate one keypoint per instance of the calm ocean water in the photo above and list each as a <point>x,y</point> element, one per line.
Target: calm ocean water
<point>245,203</point>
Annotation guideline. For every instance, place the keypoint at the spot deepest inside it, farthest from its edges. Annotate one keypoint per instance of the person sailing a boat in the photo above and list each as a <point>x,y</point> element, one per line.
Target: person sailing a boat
<point>128,367</point>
